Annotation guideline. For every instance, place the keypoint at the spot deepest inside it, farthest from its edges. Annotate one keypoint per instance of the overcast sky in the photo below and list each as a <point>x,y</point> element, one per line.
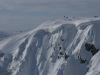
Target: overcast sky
<point>28,14</point>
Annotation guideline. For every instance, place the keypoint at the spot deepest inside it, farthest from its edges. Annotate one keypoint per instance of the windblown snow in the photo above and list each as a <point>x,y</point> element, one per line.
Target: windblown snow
<point>59,47</point>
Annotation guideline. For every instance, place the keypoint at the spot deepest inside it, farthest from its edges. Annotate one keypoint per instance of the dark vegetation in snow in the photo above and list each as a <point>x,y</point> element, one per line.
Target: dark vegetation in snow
<point>91,48</point>
<point>61,53</point>
<point>66,56</point>
<point>61,50</point>
<point>81,60</point>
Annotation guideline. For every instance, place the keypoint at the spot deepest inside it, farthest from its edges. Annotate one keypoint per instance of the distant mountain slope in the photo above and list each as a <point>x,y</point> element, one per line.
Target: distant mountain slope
<point>60,47</point>
<point>4,35</point>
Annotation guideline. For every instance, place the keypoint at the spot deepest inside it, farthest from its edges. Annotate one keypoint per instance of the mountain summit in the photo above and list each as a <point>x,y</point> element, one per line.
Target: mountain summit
<point>59,47</point>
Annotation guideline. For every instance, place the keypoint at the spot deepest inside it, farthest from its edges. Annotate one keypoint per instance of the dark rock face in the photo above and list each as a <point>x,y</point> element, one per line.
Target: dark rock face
<point>66,56</point>
<point>91,48</point>
<point>81,60</point>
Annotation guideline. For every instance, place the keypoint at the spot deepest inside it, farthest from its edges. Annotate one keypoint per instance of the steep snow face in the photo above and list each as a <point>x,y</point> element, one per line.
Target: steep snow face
<point>61,47</point>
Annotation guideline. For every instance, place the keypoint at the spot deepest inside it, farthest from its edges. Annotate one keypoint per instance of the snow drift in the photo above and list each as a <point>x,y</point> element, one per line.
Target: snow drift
<point>60,47</point>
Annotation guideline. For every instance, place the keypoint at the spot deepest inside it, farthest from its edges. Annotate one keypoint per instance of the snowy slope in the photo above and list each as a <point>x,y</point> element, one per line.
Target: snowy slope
<point>60,47</point>
<point>4,35</point>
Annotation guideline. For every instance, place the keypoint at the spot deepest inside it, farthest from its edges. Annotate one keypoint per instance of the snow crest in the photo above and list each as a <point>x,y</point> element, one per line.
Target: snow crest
<point>60,47</point>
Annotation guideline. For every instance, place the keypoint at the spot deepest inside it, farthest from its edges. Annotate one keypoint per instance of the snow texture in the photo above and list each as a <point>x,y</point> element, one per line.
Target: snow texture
<point>4,35</point>
<point>54,48</point>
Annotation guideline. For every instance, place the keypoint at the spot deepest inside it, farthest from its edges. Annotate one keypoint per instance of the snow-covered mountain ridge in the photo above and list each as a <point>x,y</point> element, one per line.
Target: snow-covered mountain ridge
<point>59,47</point>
